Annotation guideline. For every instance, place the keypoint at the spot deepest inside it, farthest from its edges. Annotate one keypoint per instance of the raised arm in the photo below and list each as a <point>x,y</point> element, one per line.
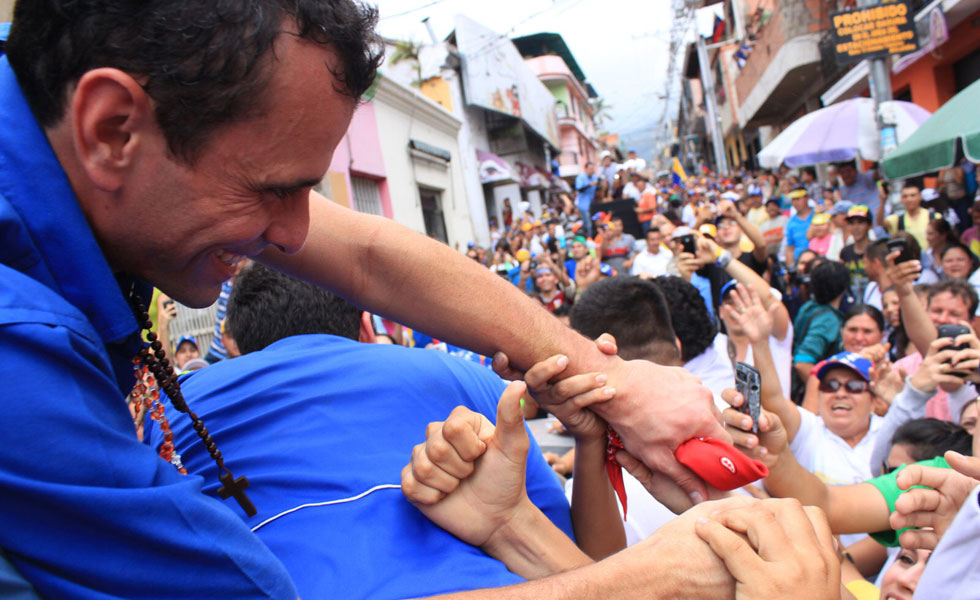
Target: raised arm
<point>918,325</point>
<point>366,258</point>
<point>756,321</point>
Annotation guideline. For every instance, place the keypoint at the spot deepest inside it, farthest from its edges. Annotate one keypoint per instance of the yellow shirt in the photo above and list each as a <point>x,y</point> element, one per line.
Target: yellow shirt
<point>916,226</point>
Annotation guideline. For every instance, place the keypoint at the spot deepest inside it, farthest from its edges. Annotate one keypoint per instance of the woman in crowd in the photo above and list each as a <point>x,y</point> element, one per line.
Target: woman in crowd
<point>862,332</point>
<point>939,236</point>
<point>959,263</point>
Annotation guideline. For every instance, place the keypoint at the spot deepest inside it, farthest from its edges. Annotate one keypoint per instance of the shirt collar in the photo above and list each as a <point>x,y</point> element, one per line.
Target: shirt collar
<point>63,252</point>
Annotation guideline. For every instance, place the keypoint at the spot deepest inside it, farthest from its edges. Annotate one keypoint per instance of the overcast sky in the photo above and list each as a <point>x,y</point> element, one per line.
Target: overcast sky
<point>621,45</point>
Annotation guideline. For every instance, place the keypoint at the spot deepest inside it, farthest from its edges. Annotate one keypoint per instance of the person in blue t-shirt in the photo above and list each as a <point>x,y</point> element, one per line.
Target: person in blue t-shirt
<point>585,187</point>
<point>797,226</point>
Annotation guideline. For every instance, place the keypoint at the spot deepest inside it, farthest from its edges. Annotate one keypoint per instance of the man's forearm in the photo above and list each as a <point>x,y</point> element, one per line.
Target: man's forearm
<point>918,325</point>
<point>400,274</point>
<point>531,546</point>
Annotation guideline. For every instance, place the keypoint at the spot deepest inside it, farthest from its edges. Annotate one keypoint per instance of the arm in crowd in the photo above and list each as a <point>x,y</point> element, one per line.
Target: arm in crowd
<point>741,273</point>
<point>455,299</point>
<point>856,508</point>
<point>756,321</point>
<point>918,325</point>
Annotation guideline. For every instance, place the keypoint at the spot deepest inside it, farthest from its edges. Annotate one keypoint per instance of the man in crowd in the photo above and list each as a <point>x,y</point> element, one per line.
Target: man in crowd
<point>547,290</point>
<point>852,255</point>
<point>859,188</point>
<point>874,267</point>
<point>616,248</point>
<point>586,183</point>
<point>915,219</point>
<point>755,211</point>
<point>652,261</point>
<point>808,178</point>
<point>731,227</point>
<point>127,115</point>
<point>646,205</point>
<point>797,226</point>
<point>186,350</point>
<point>774,227</point>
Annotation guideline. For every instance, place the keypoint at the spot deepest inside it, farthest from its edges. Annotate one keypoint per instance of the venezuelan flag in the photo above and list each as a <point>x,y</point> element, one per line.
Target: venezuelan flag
<point>677,175</point>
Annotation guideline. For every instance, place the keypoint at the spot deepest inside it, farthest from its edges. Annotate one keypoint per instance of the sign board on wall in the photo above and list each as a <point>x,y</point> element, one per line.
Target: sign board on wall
<point>872,31</point>
<point>496,78</point>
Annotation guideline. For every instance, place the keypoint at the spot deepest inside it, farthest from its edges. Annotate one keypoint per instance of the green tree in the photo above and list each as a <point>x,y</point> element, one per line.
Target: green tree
<point>600,112</point>
<point>408,50</point>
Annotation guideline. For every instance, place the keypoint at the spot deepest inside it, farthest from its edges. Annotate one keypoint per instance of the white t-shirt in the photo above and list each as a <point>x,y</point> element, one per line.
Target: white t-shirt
<point>714,368</point>
<point>826,455</point>
<point>953,570</point>
<point>651,264</point>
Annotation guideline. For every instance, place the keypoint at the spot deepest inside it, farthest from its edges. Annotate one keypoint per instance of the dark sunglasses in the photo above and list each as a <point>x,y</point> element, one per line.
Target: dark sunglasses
<point>855,386</point>
<point>887,468</point>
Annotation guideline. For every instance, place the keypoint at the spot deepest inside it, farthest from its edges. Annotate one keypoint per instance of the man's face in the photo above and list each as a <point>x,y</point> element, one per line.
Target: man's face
<point>546,281</point>
<point>654,239</point>
<point>606,161</point>
<point>729,233</point>
<point>185,352</point>
<point>858,227</point>
<point>189,226</point>
<point>589,169</point>
<point>616,226</point>
<point>844,412</point>
<point>579,250</point>
<point>848,174</point>
<point>948,309</point>
<point>772,209</point>
<point>800,204</point>
<point>911,198</point>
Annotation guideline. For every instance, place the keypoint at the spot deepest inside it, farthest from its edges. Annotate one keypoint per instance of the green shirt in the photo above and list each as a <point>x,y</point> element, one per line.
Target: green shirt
<point>888,487</point>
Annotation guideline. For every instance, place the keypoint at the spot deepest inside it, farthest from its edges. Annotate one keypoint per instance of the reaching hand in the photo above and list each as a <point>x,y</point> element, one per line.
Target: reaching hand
<point>772,440</point>
<point>934,506</point>
<point>749,314</point>
<point>468,477</point>
<point>902,275</point>
<point>687,264</point>
<point>570,398</point>
<point>775,549</point>
<point>935,369</point>
<point>886,381</point>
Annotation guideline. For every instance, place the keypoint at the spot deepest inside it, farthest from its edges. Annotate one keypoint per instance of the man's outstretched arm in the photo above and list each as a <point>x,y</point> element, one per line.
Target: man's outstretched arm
<point>393,271</point>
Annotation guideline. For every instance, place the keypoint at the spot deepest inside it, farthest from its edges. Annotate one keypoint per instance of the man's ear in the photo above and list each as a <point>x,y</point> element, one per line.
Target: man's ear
<point>111,116</point>
<point>366,334</point>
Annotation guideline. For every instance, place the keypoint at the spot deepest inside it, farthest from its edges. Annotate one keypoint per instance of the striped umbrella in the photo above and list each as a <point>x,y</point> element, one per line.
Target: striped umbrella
<point>839,132</point>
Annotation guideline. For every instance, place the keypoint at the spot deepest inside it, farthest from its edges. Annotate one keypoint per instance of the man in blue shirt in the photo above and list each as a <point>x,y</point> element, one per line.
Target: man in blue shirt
<point>585,186</point>
<point>140,148</point>
<point>797,226</point>
<point>315,423</point>
<point>860,188</point>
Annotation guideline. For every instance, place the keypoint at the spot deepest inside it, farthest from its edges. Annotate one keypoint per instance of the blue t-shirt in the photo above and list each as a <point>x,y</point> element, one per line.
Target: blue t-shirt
<point>796,233</point>
<point>585,186</point>
<point>87,511</point>
<point>319,422</point>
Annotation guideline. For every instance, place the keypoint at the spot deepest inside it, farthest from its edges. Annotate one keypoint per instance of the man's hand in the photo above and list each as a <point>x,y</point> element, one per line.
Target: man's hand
<point>935,508</point>
<point>887,381</point>
<point>775,549</point>
<point>902,275</point>
<point>935,370</point>
<point>468,477</point>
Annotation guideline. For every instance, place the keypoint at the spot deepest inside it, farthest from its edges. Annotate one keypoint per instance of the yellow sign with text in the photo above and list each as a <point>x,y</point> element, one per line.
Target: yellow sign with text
<point>872,31</point>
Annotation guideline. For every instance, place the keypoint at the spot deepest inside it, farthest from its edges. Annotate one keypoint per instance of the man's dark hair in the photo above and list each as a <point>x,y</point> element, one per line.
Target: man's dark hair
<point>205,63</point>
<point>689,316</point>
<point>877,250</point>
<point>913,183</point>
<point>634,311</point>
<point>929,438</point>
<point>652,230</point>
<point>959,288</point>
<point>828,280</point>
<point>266,306</point>
<point>809,171</point>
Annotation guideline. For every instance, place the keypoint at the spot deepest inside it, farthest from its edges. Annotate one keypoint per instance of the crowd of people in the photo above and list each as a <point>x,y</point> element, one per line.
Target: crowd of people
<point>839,294</point>
<point>307,452</point>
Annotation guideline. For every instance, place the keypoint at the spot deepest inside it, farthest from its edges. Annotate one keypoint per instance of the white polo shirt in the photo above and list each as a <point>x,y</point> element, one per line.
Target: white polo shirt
<point>826,455</point>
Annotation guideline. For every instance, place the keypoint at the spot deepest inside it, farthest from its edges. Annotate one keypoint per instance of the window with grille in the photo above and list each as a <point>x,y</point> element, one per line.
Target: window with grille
<point>367,198</point>
<point>435,224</point>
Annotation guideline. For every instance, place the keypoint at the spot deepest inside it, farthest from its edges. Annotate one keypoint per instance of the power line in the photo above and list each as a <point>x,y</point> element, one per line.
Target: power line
<point>411,10</point>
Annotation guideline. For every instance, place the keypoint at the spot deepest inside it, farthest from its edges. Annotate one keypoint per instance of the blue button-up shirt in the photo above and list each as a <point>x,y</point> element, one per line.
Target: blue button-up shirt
<point>87,511</point>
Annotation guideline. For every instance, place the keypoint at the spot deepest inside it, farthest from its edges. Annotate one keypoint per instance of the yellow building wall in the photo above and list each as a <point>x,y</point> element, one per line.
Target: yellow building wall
<point>437,90</point>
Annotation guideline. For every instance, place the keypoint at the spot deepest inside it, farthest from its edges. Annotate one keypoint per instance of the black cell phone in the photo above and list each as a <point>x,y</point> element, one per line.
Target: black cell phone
<point>901,246</point>
<point>749,384</point>
<point>688,243</point>
<point>952,332</point>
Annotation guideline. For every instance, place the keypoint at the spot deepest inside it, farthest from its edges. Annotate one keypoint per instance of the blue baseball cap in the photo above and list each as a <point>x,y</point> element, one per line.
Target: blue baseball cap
<point>605,269</point>
<point>728,287</point>
<point>852,361</point>
<point>187,338</point>
<point>841,208</point>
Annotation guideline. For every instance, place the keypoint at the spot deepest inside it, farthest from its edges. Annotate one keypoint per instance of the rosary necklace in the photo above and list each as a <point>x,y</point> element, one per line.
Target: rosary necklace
<point>157,374</point>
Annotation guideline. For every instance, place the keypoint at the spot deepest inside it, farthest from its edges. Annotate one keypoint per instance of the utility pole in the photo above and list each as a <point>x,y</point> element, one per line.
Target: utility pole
<point>710,101</point>
<point>880,84</point>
